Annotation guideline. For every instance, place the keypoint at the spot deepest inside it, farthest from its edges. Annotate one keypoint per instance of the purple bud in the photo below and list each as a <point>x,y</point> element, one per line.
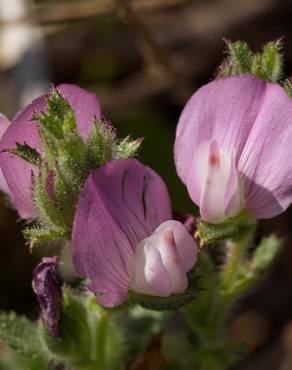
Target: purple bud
<point>48,292</point>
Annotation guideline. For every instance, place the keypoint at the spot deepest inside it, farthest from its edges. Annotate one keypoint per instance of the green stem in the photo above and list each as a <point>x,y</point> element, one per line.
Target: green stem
<point>235,252</point>
<point>100,340</point>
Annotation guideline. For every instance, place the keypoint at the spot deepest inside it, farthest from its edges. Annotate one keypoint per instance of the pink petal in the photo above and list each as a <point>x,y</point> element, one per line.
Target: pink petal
<point>213,184</point>
<point>265,165</point>
<point>163,259</point>
<point>185,243</point>
<point>250,118</point>
<point>121,204</point>
<point>149,275</point>
<point>172,262</point>
<point>17,172</point>
<point>4,123</point>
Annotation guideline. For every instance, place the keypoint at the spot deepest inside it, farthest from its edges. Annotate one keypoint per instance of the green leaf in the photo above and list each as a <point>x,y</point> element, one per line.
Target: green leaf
<point>249,271</point>
<point>21,334</point>
<point>26,152</point>
<point>127,148</point>
<point>141,324</point>
<point>266,253</point>
<point>107,328</point>
<point>202,315</point>
<point>177,348</point>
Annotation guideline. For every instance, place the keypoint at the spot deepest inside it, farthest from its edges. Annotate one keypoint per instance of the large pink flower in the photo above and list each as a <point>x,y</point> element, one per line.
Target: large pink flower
<point>124,238</point>
<point>233,148</point>
<point>23,129</point>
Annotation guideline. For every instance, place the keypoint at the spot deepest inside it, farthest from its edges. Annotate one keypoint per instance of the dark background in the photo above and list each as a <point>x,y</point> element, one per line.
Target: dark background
<point>142,86</point>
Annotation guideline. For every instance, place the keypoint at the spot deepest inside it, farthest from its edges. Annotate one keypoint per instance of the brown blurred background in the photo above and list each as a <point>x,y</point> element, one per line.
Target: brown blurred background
<point>143,59</point>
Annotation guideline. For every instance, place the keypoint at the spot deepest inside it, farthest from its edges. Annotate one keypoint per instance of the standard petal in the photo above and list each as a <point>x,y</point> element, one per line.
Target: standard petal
<point>265,165</point>
<point>121,204</point>
<point>250,118</point>
<point>23,129</point>
<point>85,105</point>
<point>16,171</point>
<point>224,110</point>
<point>4,123</point>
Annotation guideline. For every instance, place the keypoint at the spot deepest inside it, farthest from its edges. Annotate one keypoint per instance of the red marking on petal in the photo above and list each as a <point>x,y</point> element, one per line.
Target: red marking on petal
<point>170,242</point>
<point>214,159</point>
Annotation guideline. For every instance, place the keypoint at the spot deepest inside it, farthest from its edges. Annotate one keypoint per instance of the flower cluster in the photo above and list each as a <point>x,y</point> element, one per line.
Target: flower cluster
<point>232,151</point>
<point>124,237</point>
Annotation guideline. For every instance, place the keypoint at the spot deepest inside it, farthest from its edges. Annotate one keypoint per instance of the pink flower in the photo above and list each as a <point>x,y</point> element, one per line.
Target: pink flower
<point>233,148</point>
<point>23,129</point>
<point>124,238</point>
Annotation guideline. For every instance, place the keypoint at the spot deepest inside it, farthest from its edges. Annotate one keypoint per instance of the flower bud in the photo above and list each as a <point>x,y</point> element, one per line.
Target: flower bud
<point>48,293</point>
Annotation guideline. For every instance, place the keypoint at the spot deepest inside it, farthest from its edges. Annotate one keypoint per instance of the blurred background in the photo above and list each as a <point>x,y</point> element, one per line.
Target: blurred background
<point>143,59</point>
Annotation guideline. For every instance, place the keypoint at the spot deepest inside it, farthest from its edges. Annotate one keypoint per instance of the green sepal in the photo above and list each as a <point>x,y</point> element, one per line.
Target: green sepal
<point>49,146</point>
<point>272,61</point>
<point>47,210</point>
<point>267,64</point>
<point>22,335</point>
<point>26,152</point>
<point>59,118</point>
<point>100,146</point>
<point>71,161</point>
<point>127,148</point>
<point>171,303</point>
<point>234,228</point>
<point>287,86</point>
<point>37,235</point>
<point>239,59</point>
